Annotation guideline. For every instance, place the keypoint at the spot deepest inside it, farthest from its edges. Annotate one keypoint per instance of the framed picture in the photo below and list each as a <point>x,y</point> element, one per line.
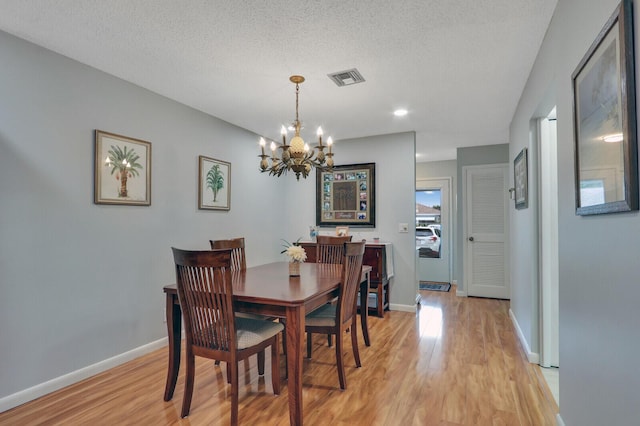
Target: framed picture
<point>520,175</point>
<point>122,170</point>
<point>342,231</point>
<point>346,196</point>
<point>214,184</point>
<point>604,120</point>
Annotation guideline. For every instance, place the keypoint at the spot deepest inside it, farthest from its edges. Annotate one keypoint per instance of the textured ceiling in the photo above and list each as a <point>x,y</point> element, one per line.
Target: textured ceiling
<point>457,66</point>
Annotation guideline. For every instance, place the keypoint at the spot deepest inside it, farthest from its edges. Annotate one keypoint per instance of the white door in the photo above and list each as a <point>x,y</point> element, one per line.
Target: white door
<point>435,267</point>
<point>486,231</point>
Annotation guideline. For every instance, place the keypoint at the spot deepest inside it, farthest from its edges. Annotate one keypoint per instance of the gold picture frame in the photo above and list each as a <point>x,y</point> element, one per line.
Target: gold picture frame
<point>122,170</point>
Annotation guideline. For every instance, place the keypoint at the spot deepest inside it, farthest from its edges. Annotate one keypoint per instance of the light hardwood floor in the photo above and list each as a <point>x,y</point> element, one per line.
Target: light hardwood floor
<point>456,361</point>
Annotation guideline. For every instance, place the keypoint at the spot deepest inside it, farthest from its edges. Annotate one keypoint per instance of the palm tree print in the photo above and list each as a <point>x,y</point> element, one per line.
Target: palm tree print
<point>124,163</point>
<point>215,180</point>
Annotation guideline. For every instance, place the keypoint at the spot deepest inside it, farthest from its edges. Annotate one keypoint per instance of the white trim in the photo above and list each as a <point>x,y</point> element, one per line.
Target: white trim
<point>559,420</point>
<point>533,357</point>
<point>402,308</point>
<point>461,293</point>
<point>60,382</point>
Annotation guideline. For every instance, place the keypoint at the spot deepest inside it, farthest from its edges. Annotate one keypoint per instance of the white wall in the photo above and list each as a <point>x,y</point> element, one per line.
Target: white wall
<point>394,156</point>
<point>79,282</point>
<point>599,270</point>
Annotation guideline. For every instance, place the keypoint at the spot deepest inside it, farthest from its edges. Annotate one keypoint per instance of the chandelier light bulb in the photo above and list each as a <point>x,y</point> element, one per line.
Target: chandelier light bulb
<point>319,132</point>
<point>283,130</point>
<point>273,147</point>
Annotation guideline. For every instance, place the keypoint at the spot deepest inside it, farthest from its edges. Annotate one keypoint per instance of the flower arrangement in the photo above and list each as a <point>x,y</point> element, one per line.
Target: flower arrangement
<point>294,251</point>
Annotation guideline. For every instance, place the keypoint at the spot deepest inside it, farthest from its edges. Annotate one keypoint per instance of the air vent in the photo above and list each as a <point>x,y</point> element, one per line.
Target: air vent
<point>346,78</point>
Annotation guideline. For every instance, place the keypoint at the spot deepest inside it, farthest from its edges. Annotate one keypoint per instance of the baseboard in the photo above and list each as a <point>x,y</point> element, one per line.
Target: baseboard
<point>532,357</point>
<point>34,392</point>
<point>403,308</point>
<point>559,420</point>
<point>459,292</point>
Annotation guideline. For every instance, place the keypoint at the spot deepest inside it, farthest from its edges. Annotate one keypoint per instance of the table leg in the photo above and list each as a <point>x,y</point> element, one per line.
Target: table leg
<point>174,326</point>
<point>295,335</point>
<point>364,309</point>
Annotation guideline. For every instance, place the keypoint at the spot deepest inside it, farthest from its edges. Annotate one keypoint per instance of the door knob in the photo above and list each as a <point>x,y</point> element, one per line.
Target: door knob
<point>470,238</point>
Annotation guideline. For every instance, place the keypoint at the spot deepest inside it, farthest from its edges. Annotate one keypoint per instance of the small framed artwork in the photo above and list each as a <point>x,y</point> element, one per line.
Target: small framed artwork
<point>214,184</point>
<point>346,196</point>
<point>122,170</point>
<point>604,120</point>
<point>520,175</point>
<point>342,231</point>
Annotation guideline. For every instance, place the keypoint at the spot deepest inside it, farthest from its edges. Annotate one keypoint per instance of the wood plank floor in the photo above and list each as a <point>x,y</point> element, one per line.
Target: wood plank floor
<point>456,361</point>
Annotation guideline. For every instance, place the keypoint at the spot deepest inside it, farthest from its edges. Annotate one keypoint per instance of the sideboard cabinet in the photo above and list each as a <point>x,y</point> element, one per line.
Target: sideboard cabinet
<point>375,255</point>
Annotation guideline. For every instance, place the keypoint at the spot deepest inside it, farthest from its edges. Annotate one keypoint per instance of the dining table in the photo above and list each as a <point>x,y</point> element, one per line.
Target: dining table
<point>269,290</point>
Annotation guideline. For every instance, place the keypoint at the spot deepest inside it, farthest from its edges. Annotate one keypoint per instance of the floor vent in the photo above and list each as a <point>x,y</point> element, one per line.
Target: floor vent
<point>346,78</point>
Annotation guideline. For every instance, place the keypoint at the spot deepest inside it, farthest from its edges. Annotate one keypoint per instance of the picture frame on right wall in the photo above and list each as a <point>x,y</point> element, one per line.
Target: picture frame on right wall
<point>604,120</point>
<point>520,176</point>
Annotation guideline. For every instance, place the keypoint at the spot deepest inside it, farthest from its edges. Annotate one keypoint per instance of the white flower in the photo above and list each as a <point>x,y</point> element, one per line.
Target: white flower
<point>296,254</point>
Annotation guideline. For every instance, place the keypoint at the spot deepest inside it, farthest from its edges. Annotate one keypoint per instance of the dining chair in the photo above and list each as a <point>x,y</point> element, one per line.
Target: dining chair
<point>329,249</point>
<point>238,259</point>
<point>338,318</point>
<point>205,292</point>
<point>238,263</point>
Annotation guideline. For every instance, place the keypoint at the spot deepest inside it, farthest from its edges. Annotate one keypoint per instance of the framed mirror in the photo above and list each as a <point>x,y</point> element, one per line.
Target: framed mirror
<point>604,118</point>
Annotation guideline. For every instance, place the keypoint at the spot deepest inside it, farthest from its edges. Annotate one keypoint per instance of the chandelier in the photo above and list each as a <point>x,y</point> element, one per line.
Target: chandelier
<point>297,156</point>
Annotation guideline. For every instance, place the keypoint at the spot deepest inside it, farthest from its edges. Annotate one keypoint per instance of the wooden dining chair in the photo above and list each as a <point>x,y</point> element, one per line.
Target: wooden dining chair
<point>238,263</point>
<point>337,318</point>
<point>238,259</point>
<point>330,249</point>
<point>205,292</point>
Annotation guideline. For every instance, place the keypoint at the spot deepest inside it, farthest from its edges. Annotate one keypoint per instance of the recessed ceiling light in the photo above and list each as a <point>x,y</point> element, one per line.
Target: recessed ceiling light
<point>400,112</point>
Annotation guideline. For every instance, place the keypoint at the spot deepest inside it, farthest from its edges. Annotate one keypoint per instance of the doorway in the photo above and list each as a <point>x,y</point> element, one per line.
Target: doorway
<point>433,230</point>
<point>548,249</point>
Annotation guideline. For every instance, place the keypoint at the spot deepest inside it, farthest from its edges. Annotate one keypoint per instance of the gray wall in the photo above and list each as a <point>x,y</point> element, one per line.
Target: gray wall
<point>82,283</point>
<point>394,156</point>
<point>445,169</point>
<point>598,255</point>
<point>472,156</point>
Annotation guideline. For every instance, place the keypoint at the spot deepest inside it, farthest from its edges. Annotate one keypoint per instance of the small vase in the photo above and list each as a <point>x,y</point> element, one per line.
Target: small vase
<point>294,269</point>
<point>313,233</point>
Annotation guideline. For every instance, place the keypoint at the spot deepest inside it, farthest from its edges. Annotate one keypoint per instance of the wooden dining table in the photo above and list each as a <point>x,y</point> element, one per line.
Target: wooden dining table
<point>269,290</point>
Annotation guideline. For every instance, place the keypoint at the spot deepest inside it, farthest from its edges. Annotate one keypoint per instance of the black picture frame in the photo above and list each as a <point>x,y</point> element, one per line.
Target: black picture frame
<point>346,195</point>
<point>521,179</point>
<point>604,119</point>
